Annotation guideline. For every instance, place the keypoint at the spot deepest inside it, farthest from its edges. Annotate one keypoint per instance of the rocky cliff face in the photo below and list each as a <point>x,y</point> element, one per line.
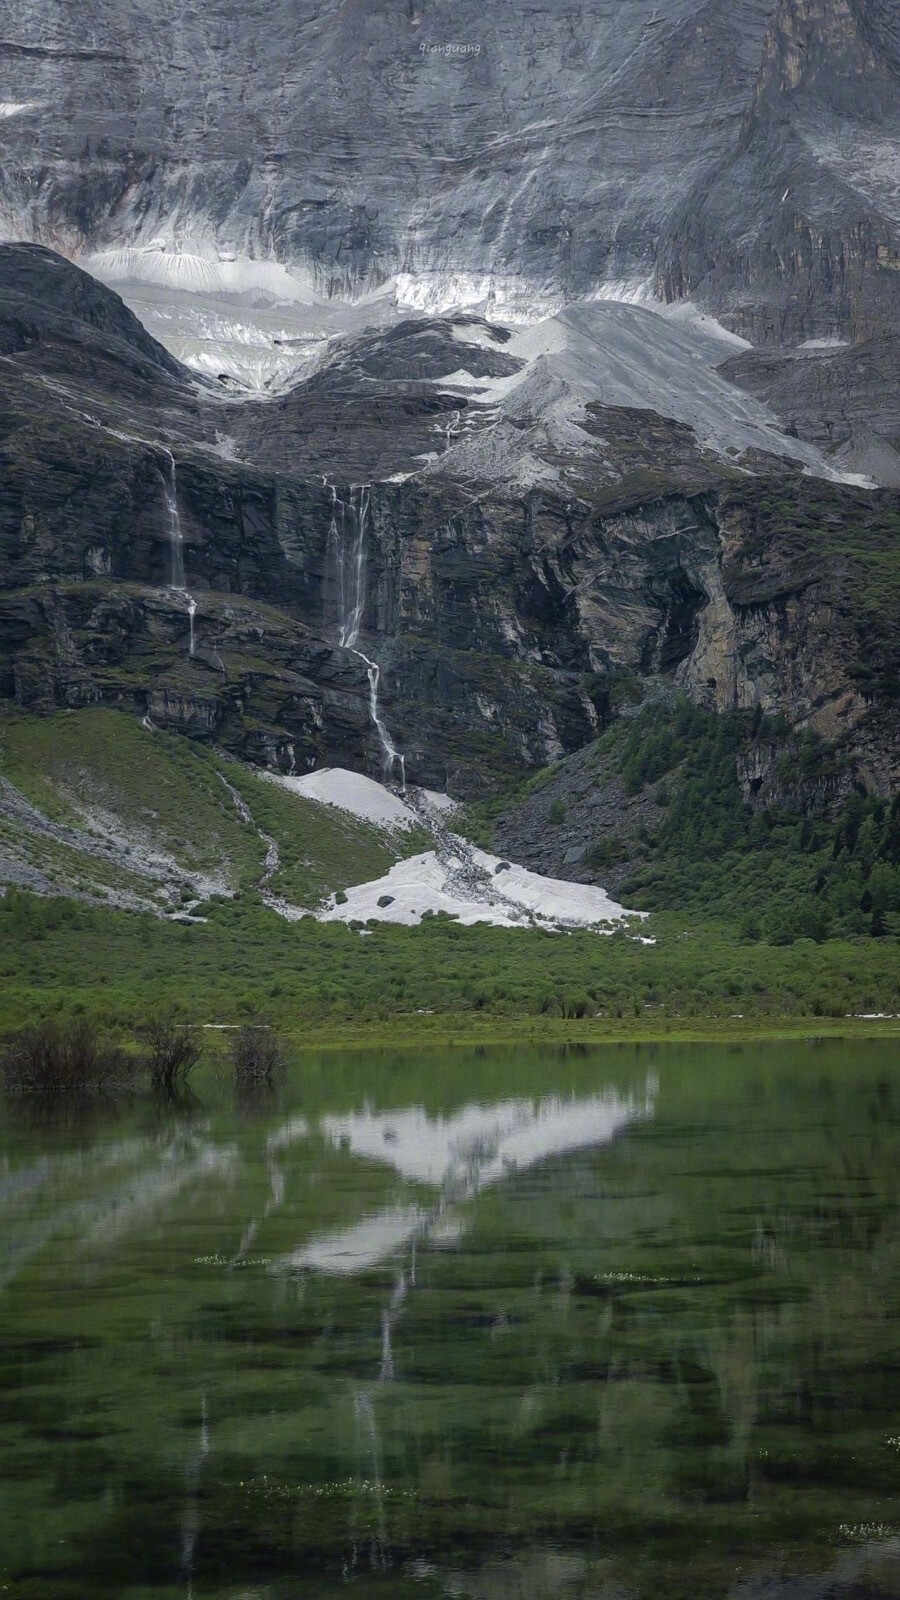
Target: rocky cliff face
<point>156,557</point>
<point>745,151</point>
<point>364,139</point>
<point>795,235</point>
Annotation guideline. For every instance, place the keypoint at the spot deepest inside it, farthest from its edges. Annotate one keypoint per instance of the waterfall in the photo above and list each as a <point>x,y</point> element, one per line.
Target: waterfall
<point>392,756</point>
<point>177,578</point>
<point>346,559</point>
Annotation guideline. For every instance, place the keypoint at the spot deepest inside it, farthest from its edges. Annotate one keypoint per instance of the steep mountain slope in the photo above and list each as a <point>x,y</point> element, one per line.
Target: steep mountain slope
<point>358,140</point>
<point>744,150</point>
<point>448,544</point>
<point>796,235</point>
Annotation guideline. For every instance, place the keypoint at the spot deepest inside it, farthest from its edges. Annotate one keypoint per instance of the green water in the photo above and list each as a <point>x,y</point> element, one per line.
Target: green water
<point>618,1324</point>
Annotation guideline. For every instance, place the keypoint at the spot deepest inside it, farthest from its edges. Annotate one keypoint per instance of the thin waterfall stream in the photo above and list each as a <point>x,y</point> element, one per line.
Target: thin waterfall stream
<point>346,555</point>
<point>177,576</point>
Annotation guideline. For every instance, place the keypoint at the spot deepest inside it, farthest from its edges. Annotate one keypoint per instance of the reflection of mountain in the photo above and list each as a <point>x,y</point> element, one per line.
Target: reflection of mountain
<point>550,1574</point>
<point>459,1156</point>
<point>65,1196</point>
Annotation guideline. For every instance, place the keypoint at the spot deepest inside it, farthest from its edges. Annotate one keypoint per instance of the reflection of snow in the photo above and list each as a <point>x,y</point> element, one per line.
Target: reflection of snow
<point>102,1219</point>
<point>364,1245</point>
<point>289,1133</point>
<point>481,1143</point>
<point>458,1156</point>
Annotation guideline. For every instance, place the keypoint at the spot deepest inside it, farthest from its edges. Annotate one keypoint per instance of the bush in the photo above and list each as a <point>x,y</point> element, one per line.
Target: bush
<point>173,1051</point>
<point>64,1058</point>
<point>256,1057</point>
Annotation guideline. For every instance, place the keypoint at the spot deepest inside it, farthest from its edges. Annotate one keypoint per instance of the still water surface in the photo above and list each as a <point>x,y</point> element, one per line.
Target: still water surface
<point>501,1324</point>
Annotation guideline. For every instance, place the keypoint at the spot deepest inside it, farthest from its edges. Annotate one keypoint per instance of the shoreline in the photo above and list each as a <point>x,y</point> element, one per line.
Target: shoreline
<point>448,1031</point>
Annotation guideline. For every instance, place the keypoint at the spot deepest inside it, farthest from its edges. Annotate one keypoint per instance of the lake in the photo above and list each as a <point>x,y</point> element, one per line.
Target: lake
<point>589,1324</point>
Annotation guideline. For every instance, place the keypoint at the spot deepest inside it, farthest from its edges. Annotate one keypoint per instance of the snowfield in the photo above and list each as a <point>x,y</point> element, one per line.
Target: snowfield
<point>455,879</point>
<point>499,893</point>
<point>352,792</point>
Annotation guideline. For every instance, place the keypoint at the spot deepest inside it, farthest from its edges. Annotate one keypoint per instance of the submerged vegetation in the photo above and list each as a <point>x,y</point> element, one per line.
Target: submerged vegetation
<point>256,1057</point>
<point>82,1057</point>
<point>173,1051</point>
<point>65,1058</point>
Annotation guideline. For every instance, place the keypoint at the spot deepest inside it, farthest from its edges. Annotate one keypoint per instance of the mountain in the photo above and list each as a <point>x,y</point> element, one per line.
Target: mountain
<point>511,521</point>
<point>541,149</point>
<point>480,375</point>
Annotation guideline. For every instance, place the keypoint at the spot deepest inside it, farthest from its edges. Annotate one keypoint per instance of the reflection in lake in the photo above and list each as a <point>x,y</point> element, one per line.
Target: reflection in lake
<point>458,1156</point>
<point>596,1325</point>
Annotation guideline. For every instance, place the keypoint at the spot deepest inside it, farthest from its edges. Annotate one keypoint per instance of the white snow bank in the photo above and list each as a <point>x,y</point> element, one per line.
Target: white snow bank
<point>472,886</point>
<point>455,879</point>
<point>200,270</point>
<point>351,792</point>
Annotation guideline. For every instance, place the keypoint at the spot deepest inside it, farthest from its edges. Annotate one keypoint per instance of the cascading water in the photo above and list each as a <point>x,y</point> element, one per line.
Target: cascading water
<point>177,577</point>
<point>346,557</point>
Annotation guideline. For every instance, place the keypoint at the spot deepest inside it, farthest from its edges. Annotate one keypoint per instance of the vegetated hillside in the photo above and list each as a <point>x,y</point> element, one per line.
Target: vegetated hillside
<point>730,816</point>
<point>95,807</point>
<point>130,872</point>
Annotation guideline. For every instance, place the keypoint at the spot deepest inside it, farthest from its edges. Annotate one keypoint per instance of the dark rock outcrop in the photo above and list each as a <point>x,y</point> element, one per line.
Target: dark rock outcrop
<point>502,616</point>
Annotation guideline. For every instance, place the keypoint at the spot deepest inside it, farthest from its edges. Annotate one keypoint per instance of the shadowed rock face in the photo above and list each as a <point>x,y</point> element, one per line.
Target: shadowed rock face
<point>503,608</point>
<point>796,234</point>
<point>375,135</point>
<point>745,151</point>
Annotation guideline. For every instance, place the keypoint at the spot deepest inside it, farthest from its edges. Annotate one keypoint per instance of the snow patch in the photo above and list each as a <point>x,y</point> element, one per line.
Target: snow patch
<point>502,298</point>
<point>200,270</point>
<point>498,892</point>
<point>352,792</point>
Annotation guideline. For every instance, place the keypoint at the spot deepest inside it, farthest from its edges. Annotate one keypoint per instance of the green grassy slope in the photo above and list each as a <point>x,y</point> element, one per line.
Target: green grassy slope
<point>59,956</point>
<point>98,773</point>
